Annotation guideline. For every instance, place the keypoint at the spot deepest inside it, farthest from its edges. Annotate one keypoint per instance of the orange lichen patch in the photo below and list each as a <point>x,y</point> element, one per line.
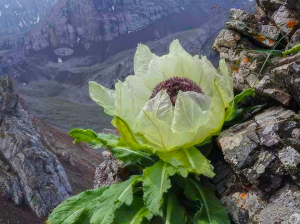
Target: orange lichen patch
<point>260,38</point>
<point>291,24</point>
<point>272,42</point>
<point>237,70</point>
<point>246,60</point>
<point>243,195</point>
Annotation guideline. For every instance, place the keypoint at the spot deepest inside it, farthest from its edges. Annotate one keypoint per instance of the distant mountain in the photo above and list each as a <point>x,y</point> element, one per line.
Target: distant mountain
<point>60,29</point>
<point>18,16</point>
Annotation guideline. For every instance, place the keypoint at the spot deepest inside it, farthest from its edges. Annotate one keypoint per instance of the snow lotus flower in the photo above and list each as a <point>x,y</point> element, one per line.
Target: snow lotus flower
<point>174,101</point>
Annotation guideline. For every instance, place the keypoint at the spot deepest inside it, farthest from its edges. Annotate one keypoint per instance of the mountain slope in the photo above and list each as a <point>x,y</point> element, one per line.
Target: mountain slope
<point>18,16</point>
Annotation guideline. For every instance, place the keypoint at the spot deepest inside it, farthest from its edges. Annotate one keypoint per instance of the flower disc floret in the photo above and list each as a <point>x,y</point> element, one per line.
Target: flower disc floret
<point>175,84</point>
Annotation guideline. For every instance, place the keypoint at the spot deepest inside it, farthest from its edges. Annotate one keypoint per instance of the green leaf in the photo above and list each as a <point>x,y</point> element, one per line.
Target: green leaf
<point>211,211</point>
<point>294,50</point>
<point>156,182</point>
<point>103,97</point>
<point>73,210</point>
<point>95,140</point>
<point>188,161</point>
<point>129,156</point>
<point>95,206</point>
<point>126,133</point>
<point>112,199</point>
<point>266,51</point>
<point>173,212</point>
<point>133,214</point>
<point>232,112</point>
<point>128,137</point>
<point>109,140</point>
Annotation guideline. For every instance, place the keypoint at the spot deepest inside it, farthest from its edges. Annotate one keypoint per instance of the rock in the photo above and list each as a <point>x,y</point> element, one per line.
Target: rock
<point>278,79</point>
<point>287,77</point>
<point>270,31</point>
<point>253,206</point>
<point>110,172</point>
<point>32,174</point>
<point>261,184</point>
<point>285,19</point>
<point>295,39</point>
<point>64,52</point>
<point>288,60</point>
<point>269,87</point>
<point>225,44</point>
<point>240,15</point>
<point>270,6</point>
<point>8,98</point>
<point>255,152</point>
<point>247,24</point>
<point>227,38</point>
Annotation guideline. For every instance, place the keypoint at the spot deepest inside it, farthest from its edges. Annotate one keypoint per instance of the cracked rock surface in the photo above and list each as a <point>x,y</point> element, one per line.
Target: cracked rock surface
<point>29,173</point>
<point>110,171</point>
<point>244,43</point>
<point>261,183</point>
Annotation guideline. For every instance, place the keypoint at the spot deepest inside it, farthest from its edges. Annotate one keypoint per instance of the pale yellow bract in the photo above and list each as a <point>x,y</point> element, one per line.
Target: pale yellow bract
<point>166,127</point>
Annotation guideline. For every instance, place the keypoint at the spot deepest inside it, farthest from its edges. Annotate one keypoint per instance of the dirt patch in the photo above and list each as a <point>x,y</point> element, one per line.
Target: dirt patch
<point>12,214</point>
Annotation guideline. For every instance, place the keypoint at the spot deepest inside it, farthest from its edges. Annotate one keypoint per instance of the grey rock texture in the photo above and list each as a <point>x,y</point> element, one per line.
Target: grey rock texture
<point>278,79</point>
<point>109,172</point>
<point>253,207</point>
<point>30,174</point>
<point>260,183</point>
<point>259,149</point>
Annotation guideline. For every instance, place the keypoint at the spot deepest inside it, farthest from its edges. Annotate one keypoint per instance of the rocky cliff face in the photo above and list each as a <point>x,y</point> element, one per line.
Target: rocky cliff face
<point>30,174</point>
<point>37,162</point>
<point>260,182</point>
<point>246,40</point>
<point>262,157</point>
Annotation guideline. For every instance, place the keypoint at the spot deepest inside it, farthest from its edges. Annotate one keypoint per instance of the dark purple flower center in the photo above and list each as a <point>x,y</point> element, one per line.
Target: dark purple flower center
<point>173,85</point>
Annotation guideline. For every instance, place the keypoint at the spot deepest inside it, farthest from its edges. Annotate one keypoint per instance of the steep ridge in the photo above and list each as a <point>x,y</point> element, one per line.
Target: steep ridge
<point>39,165</point>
